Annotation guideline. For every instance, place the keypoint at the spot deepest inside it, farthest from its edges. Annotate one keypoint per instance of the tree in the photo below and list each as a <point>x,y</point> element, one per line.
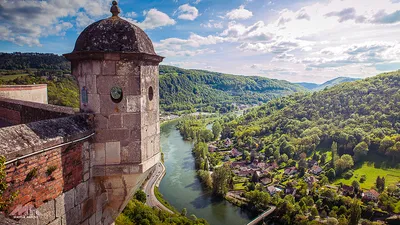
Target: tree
<point>184,212</point>
<point>221,178</point>
<point>216,129</point>
<point>355,185</point>
<point>334,148</point>
<point>355,212</point>
<point>258,200</point>
<point>343,163</point>
<point>323,159</point>
<point>284,158</point>
<point>140,196</point>
<point>360,151</point>
<point>314,212</point>
<point>331,174</point>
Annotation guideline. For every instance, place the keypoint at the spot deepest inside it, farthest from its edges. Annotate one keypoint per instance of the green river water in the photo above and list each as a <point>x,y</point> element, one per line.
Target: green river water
<point>182,189</point>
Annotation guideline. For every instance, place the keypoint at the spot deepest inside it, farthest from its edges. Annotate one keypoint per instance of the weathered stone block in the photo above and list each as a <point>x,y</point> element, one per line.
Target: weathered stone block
<point>96,67</point>
<point>76,69</point>
<point>105,83</point>
<point>113,153</point>
<point>115,121</point>
<point>131,120</point>
<point>87,68</point>
<point>133,103</point>
<point>100,121</point>
<point>60,206</point>
<point>127,68</point>
<point>131,153</point>
<point>108,68</point>
<point>92,219</point>
<point>113,182</point>
<point>69,201</point>
<point>82,192</point>
<point>112,135</point>
<point>88,208</point>
<point>91,84</point>
<point>47,212</point>
<point>108,107</point>
<point>99,154</point>
<point>136,134</point>
<point>73,216</point>
<point>93,105</point>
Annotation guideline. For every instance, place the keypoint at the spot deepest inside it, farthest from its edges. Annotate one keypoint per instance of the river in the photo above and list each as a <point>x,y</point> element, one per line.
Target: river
<point>182,189</point>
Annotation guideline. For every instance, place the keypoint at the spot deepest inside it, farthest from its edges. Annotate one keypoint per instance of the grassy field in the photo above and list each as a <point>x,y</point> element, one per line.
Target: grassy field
<point>239,187</point>
<point>11,77</point>
<point>372,168</point>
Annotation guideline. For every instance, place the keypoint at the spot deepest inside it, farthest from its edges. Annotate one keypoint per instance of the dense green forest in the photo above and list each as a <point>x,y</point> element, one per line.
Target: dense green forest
<point>180,89</point>
<point>23,61</point>
<point>359,116</point>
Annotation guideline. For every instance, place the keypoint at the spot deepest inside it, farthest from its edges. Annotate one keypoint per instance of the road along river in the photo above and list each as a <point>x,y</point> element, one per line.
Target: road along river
<point>182,189</point>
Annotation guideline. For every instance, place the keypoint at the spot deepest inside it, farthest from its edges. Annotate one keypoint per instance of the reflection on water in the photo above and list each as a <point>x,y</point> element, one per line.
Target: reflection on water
<point>182,189</point>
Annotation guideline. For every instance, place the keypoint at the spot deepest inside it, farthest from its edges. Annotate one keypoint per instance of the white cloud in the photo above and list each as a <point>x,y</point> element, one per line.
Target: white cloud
<point>196,2</point>
<point>212,24</point>
<point>239,14</point>
<point>187,12</point>
<point>28,21</point>
<point>131,14</point>
<point>154,19</point>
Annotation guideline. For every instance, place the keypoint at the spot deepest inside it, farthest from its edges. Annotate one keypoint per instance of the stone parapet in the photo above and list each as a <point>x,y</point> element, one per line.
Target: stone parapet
<point>22,112</point>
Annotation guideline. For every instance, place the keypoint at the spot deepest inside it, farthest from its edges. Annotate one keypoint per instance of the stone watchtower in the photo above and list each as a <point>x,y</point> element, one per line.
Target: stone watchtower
<point>116,68</point>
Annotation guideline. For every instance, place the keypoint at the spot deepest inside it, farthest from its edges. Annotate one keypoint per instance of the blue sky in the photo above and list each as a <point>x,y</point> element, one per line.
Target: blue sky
<point>305,40</point>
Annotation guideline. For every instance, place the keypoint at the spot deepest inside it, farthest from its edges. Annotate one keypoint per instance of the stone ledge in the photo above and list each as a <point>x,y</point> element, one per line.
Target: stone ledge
<point>20,140</point>
<point>125,169</point>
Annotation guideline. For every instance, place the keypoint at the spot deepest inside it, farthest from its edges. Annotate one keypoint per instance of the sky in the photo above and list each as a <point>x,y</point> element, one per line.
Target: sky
<point>294,40</point>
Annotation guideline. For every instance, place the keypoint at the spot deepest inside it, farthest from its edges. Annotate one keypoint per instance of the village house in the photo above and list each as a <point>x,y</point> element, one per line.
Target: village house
<point>235,153</point>
<point>316,170</point>
<point>212,148</point>
<point>265,180</point>
<point>310,180</point>
<point>273,190</point>
<point>290,170</point>
<point>238,164</point>
<point>370,195</point>
<point>290,191</point>
<point>227,158</point>
<point>312,163</point>
<point>347,190</point>
<point>227,142</point>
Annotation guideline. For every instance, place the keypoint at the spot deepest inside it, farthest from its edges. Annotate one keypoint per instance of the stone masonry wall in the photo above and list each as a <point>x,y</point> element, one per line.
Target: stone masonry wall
<point>20,112</point>
<point>32,93</point>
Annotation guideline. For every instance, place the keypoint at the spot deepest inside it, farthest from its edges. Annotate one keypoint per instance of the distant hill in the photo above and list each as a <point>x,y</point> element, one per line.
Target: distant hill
<point>181,88</point>
<point>330,83</point>
<point>22,61</point>
<point>308,86</point>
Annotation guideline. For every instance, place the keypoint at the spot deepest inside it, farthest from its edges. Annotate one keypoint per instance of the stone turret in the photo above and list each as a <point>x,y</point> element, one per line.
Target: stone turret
<point>116,68</point>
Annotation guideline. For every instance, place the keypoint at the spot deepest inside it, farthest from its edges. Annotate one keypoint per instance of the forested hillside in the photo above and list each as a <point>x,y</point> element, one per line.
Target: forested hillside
<point>180,89</point>
<point>183,89</point>
<point>360,116</point>
<point>22,61</point>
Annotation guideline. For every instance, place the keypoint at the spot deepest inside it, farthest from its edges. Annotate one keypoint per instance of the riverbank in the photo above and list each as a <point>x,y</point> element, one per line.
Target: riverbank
<point>182,188</point>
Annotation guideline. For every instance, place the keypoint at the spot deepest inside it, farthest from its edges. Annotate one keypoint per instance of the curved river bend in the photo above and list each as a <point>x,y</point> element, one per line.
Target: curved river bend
<point>182,189</point>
